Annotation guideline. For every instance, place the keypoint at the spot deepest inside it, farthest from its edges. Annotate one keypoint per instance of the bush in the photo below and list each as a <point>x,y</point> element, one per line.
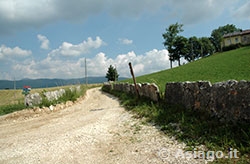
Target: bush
<point>232,47</point>
<point>6,109</point>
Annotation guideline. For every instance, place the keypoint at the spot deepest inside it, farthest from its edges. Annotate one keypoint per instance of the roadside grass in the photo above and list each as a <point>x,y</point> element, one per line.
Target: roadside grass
<point>5,109</point>
<point>215,68</point>
<point>8,97</point>
<point>197,128</point>
<point>193,128</point>
<point>16,102</point>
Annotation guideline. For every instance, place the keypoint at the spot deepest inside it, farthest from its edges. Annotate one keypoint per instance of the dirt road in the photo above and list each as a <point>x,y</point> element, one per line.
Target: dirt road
<point>94,130</point>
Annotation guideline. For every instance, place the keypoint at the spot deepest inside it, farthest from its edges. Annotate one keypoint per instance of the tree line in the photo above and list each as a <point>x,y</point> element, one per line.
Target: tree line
<point>193,48</point>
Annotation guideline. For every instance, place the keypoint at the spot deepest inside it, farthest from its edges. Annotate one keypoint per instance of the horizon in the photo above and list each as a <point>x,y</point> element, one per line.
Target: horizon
<point>59,78</point>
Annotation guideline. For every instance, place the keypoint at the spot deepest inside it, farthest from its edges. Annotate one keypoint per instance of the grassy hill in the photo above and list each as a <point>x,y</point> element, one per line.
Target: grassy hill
<point>224,66</point>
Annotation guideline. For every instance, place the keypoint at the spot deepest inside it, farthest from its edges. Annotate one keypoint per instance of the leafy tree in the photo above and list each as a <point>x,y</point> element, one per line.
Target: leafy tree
<point>207,47</point>
<point>198,47</point>
<point>112,74</point>
<point>193,49</point>
<point>217,34</point>
<point>179,48</point>
<point>170,36</point>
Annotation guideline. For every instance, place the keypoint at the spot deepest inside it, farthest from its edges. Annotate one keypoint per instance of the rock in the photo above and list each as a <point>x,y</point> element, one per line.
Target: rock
<point>33,99</point>
<point>54,95</point>
<point>51,107</point>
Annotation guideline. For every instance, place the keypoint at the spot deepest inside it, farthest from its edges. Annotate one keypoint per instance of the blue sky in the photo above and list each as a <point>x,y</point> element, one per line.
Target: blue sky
<point>52,38</point>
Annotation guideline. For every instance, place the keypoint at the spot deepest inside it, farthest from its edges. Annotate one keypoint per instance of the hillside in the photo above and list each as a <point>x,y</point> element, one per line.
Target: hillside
<point>224,66</point>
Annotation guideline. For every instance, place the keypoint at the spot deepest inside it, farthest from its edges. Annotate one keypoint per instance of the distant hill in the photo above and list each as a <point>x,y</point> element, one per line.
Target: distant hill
<point>234,64</point>
<point>45,83</point>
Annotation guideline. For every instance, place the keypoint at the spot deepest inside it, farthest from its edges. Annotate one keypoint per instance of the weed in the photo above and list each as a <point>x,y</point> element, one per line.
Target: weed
<point>6,109</point>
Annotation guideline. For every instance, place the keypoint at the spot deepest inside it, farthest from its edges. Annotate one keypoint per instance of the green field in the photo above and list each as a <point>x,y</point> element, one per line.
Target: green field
<point>224,66</point>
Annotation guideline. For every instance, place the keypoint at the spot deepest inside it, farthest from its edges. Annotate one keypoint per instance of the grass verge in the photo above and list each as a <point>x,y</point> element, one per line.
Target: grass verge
<point>5,109</point>
<point>193,128</point>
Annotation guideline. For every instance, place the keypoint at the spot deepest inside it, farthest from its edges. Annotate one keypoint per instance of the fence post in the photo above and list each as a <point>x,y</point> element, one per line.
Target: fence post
<point>132,73</point>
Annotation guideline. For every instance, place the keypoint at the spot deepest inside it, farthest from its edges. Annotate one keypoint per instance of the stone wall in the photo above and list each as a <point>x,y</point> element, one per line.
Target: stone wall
<point>54,95</point>
<point>150,91</point>
<point>36,98</point>
<point>228,100</point>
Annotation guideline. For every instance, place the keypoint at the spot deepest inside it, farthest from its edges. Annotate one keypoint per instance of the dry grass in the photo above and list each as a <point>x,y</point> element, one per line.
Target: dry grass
<point>8,97</point>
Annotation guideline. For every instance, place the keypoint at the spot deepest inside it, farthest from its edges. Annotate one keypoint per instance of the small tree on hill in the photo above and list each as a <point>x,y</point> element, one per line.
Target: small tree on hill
<point>112,74</point>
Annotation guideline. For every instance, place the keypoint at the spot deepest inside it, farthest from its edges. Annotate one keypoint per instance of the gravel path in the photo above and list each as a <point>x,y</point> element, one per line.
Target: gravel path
<point>94,130</point>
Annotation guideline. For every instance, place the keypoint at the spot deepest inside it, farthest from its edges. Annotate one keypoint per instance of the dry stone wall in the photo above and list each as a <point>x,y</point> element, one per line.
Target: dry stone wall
<point>54,95</point>
<point>150,91</point>
<point>228,100</point>
<point>36,98</point>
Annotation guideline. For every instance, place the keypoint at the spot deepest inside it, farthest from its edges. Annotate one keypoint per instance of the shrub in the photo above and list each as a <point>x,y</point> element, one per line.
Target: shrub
<point>6,109</point>
<point>232,47</point>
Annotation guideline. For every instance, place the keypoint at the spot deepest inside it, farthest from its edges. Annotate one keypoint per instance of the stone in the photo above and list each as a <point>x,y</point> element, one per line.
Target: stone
<point>51,107</point>
<point>33,99</point>
<point>54,95</point>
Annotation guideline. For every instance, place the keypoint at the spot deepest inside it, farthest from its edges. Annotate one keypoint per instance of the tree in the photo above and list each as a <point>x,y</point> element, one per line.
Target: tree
<point>207,47</point>
<point>193,49</point>
<point>112,74</point>
<point>170,36</point>
<point>179,48</point>
<point>217,34</point>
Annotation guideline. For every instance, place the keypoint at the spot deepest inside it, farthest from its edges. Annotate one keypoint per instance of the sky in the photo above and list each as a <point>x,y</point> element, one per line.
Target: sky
<point>52,38</point>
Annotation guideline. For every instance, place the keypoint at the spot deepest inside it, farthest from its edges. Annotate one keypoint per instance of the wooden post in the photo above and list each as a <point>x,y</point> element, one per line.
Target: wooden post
<point>132,73</point>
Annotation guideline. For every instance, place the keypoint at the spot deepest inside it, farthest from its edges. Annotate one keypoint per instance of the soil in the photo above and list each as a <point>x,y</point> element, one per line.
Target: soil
<point>96,129</point>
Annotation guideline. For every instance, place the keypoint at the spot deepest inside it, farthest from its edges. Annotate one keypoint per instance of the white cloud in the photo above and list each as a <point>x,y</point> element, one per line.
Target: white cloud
<point>69,49</point>
<point>44,41</point>
<point>125,41</point>
<point>26,69</point>
<point>152,61</point>
<point>7,52</point>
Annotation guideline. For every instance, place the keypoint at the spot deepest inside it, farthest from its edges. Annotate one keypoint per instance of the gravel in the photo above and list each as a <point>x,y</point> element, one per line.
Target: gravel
<point>95,129</point>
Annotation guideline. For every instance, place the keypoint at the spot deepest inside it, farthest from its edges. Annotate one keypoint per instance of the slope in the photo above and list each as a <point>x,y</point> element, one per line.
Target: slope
<point>224,66</point>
